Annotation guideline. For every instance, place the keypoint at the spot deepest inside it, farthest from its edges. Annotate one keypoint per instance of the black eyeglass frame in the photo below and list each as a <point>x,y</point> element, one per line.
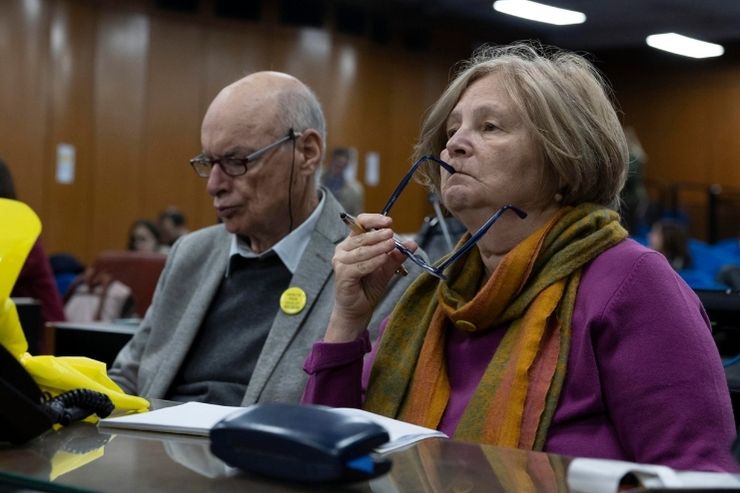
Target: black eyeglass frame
<point>203,165</point>
<point>438,270</point>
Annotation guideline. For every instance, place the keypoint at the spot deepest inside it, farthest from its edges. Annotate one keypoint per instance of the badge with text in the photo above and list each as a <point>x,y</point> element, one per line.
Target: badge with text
<point>293,300</point>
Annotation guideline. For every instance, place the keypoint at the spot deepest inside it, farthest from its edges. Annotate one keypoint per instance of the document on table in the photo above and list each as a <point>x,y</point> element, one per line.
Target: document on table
<point>401,433</point>
<point>191,418</point>
<point>608,476</point>
<point>197,418</point>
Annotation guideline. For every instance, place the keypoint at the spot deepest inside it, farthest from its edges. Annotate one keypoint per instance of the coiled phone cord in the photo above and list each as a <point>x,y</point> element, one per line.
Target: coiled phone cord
<point>76,405</point>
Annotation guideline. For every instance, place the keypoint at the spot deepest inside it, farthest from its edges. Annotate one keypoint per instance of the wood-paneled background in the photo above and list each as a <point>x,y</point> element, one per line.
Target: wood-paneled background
<point>127,84</point>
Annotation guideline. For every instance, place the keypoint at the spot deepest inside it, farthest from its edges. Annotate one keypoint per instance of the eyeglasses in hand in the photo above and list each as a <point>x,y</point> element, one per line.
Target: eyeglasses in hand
<point>438,270</point>
<point>234,166</point>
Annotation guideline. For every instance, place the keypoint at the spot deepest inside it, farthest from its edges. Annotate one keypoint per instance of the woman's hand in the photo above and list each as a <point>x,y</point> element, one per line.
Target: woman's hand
<point>364,264</point>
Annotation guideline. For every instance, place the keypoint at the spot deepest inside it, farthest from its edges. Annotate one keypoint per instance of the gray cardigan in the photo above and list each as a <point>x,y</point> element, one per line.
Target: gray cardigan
<point>196,265</point>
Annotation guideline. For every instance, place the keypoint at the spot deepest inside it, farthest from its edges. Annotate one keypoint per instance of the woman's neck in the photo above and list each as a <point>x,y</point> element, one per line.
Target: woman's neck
<point>507,233</point>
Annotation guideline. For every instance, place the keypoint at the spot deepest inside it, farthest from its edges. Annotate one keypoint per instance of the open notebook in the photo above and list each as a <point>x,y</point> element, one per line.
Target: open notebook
<point>196,418</point>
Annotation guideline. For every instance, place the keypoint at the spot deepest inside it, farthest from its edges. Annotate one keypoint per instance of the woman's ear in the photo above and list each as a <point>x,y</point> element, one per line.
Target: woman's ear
<point>310,146</point>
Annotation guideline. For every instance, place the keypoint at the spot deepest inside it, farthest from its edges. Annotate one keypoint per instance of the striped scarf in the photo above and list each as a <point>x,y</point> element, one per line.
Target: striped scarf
<point>532,291</point>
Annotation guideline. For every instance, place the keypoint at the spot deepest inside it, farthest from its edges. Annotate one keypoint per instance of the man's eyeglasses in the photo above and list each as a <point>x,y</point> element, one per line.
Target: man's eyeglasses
<point>438,270</point>
<point>234,166</point>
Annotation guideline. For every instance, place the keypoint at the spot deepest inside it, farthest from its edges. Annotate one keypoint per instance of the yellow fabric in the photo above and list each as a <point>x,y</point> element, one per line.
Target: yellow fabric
<point>532,292</point>
<point>20,228</point>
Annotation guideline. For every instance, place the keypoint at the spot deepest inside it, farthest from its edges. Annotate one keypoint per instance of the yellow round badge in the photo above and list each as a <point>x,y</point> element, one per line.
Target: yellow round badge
<point>293,300</point>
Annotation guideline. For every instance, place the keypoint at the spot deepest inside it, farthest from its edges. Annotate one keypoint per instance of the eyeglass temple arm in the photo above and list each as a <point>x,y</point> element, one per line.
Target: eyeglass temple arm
<point>409,175</point>
<point>292,134</point>
<point>479,234</point>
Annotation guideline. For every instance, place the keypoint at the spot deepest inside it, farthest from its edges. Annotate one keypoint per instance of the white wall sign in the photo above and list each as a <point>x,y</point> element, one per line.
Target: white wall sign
<point>65,163</point>
<point>372,169</point>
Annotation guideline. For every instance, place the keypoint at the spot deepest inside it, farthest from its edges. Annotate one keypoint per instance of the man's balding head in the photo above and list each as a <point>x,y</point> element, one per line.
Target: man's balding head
<point>268,99</point>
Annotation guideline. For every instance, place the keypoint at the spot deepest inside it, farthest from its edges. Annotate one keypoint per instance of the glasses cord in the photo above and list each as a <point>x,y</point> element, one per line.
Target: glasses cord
<point>290,189</point>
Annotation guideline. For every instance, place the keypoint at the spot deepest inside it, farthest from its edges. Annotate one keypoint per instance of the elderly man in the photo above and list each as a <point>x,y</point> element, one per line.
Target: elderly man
<point>239,304</point>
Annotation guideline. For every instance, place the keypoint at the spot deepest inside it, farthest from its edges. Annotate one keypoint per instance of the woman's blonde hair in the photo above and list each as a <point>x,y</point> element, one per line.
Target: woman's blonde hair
<point>564,102</point>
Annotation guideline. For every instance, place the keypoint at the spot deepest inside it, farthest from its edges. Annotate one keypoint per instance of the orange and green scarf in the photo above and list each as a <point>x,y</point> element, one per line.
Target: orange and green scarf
<point>533,291</point>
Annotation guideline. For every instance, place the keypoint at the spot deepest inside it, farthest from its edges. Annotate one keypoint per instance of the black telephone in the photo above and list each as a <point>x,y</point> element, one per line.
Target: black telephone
<point>26,412</point>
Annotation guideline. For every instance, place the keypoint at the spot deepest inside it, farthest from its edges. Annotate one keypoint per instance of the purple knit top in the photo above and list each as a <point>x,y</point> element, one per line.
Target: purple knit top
<point>644,381</point>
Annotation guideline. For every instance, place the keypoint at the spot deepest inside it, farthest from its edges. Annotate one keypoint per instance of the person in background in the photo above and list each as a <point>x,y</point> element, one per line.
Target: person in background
<point>172,225</point>
<point>239,304</point>
<point>347,190</point>
<point>36,279</point>
<point>670,238</point>
<point>143,236</point>
<point>554,332</point>
<point>634,196</point>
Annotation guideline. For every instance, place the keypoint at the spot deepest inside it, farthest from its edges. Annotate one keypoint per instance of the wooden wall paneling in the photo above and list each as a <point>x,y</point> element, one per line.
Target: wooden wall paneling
<point>346,90</point>
<point>122,44</point>
<point>72,37</point>
<point>414,90</point>
<point>373,119</point>
<point>24,35</point>
<point>173,116</point>
<point>638,110</point>
<point>684,133</point>
<point>305,53</point>
<point>233,50</point>
<point>724,108</point>
<point>673,125</point>
<point>350,122</point>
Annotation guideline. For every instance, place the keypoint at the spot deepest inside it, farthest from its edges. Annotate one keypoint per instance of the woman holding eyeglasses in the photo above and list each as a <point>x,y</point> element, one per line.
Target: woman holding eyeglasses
<point>553,331</point>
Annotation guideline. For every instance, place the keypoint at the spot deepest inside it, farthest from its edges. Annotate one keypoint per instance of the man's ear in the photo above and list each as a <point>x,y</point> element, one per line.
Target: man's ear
<point>310,146</point>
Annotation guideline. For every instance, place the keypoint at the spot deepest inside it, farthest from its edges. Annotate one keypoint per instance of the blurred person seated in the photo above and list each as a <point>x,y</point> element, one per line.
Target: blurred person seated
<point>729,275</point>
<point>172,225</point>
<point>143,236</point>
<point>239,304</point>
<point>66,268</point>
<point>555,331</point>
<point>729,252</point>
<point>36,279</point>
<point>635,200</point>
<point>340,180</point>
<point>670,237</point>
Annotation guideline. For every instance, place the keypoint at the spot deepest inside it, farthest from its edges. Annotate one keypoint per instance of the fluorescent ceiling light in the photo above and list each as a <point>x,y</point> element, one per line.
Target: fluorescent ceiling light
<point>539,12</point>
<point>683,45</point>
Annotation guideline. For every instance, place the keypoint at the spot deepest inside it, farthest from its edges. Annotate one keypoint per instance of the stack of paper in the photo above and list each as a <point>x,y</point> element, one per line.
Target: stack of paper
<point>196,418</point>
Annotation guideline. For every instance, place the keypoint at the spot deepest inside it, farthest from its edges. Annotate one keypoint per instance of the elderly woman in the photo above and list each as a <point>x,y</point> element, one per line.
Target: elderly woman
<point>555,332</point>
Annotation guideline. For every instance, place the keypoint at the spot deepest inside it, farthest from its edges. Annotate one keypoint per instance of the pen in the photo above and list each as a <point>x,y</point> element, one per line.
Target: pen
<point>352,223</point>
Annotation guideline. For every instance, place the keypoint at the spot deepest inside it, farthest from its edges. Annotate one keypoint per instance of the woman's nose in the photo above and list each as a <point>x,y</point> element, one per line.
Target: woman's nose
<point>458,145</point>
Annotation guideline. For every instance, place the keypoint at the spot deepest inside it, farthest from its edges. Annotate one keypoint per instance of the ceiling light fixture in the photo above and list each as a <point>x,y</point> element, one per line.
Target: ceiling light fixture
<point>683,45</point>
<point>539,12</point>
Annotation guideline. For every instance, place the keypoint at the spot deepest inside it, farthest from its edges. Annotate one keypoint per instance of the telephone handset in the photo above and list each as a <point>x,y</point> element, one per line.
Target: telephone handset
<point>26,412</point>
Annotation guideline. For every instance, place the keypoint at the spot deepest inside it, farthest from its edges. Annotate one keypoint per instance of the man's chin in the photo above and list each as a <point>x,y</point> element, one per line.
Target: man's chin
<point>230,226</point>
